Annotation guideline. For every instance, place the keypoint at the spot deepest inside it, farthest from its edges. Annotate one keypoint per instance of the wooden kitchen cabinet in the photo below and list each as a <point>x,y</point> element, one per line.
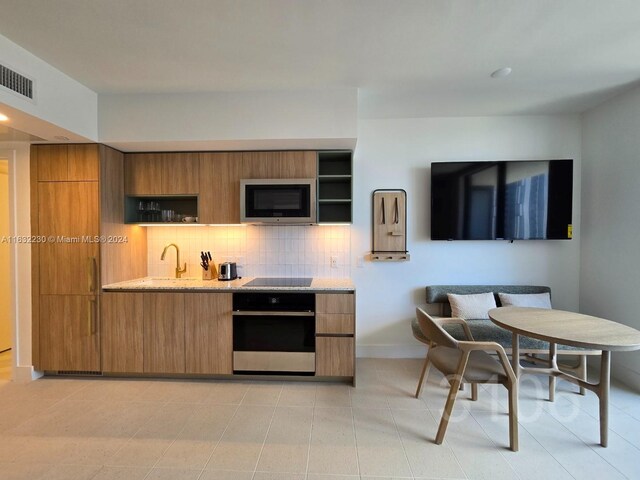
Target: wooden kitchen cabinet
<point>62,163</point>
<point>219,200</point>
<point>164,333</point>
<point>335,356</point>
<point>287,164</point>
<point>122,332</point>
<point>208,333</point>
<point>142,174</point>
<point>162,174</point>
<point>70,338</point>
<point>70,212</point>
<point>335,334</point>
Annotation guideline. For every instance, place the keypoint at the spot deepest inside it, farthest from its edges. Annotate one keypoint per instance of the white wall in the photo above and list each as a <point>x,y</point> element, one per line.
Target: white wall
<point>6,341</point>
<point>610,274</point>
<point>59,99</point>
<point>20,225</point>
<point>397,154</point>
<point>230,120</point>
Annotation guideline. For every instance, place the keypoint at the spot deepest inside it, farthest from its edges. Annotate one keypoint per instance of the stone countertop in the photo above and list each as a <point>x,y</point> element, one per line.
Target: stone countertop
<point>199,285</point>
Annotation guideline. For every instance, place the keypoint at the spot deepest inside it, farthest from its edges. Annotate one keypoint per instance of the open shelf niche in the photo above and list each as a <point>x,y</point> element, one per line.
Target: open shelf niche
<point>335,186</point>
<point>148,208</point>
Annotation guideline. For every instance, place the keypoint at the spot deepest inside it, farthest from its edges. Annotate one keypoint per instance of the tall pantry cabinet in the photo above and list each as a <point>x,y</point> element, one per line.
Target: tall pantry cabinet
<point>79,242</point>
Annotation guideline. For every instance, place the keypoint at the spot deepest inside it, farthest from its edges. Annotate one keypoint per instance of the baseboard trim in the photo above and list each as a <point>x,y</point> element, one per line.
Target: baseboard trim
<point>391,351</point>
<point>626,375</point>
<point>26,374</point>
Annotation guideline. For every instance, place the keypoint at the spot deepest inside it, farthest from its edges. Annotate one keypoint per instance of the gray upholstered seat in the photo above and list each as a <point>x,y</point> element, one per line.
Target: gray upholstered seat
<point>487,331</point>
<point>482,367</point>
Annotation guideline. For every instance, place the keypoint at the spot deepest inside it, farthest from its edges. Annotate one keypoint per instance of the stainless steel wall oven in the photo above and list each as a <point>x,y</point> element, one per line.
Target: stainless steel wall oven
<point>274,333</point>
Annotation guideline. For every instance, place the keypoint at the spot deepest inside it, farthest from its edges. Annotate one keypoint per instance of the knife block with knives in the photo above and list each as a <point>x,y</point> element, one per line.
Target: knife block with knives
<point>389,225</point>
<point>208,267</point>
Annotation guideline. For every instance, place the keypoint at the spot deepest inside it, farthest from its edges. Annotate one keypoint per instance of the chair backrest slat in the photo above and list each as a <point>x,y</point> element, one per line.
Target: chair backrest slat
<point>433,331</point>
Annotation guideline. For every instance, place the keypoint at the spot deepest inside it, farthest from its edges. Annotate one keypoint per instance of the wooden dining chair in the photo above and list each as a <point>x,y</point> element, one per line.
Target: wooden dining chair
<point>469,362</point>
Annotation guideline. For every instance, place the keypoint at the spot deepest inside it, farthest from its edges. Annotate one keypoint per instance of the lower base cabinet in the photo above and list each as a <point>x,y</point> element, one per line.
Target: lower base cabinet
<point>208,333</point>
<point>335,356</point>
<point>166,333</point>
<point>122,332</point>
<point>335,334</point>
<point>192,333</point>
<point>69,333</point>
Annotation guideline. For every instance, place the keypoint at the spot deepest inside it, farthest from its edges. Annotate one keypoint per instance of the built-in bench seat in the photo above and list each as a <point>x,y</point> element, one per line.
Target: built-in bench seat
<point>484,330</point>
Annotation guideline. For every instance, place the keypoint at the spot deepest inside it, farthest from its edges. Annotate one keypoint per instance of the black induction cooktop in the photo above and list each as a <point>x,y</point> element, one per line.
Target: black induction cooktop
<point>279,282</point>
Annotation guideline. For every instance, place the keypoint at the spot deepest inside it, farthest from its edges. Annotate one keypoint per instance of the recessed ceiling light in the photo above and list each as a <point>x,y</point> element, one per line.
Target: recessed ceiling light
<point>3,117</point>
<point>501,72</point>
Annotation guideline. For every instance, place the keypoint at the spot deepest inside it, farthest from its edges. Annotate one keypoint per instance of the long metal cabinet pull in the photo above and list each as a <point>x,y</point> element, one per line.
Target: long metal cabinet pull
<point>260,313</point>
<point>384,220</point>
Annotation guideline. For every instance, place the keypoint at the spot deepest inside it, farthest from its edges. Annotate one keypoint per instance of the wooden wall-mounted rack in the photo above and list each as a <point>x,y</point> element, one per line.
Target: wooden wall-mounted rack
<point>389,229</point>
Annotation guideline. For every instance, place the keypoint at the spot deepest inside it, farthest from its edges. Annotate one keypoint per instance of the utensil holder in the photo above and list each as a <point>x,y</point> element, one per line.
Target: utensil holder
<point>207,274</point>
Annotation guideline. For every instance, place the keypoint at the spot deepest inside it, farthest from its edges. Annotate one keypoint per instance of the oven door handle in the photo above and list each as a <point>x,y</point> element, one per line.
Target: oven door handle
<point>259,313</point>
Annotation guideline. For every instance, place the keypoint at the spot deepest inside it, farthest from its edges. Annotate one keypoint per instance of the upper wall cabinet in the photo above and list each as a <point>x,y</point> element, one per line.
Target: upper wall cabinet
<point>290,164</point>
<point>220,174</point>
<point>162,174</point>
<point>67,163</point>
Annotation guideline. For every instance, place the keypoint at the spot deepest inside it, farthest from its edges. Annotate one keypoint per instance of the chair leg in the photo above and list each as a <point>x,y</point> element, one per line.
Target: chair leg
<point>513,416</point>
<point>474,392</point>
<point>423,375</point>
<point>582,372</point>
<point>451,399</point>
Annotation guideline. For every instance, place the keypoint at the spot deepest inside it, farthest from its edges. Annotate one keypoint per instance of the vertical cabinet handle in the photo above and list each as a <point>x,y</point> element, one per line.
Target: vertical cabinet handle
<point>91,274</point>
<point>384,220</point>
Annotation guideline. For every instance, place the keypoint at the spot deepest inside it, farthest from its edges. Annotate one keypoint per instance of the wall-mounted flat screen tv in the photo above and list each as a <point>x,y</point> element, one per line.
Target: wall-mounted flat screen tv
<point>502,200</point>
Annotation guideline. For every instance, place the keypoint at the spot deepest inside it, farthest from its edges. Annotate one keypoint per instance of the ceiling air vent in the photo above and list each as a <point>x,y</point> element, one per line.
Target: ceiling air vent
<point>15,82</point>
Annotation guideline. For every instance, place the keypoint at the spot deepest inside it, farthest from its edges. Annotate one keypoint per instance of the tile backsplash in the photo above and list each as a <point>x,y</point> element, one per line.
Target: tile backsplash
<point>260,251</point>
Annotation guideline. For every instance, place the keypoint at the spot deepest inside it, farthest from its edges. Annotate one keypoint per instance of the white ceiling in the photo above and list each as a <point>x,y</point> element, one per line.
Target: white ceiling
<point>408,58</point>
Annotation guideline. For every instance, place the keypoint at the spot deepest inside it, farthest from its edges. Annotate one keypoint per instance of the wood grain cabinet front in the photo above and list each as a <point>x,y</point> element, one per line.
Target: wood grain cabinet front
<point>219,200</point>
<point>167,333</point>
<point>288,164</point>
<point>122,332</point>
<point>163,315</point>
<point>335,356</point>
<point>67,163</point>
<point>335,334</point>
<point>69,333</point>
<point>208,333</point>
<point>76,202</point>
<point>161,174</point>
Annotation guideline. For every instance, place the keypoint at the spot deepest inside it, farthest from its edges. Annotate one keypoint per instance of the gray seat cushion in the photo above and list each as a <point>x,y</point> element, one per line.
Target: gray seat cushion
<point>481,368</point>
<point>487,331</point>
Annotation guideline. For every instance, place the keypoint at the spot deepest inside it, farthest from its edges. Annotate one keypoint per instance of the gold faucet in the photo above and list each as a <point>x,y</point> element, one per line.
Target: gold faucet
<point>179,271</point>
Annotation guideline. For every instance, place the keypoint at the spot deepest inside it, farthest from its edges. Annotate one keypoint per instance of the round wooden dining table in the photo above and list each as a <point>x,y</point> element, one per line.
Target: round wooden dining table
<point>574,329</point>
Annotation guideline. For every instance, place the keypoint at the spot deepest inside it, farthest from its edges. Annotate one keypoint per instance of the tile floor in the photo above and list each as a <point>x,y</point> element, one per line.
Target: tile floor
<point>63,428</point>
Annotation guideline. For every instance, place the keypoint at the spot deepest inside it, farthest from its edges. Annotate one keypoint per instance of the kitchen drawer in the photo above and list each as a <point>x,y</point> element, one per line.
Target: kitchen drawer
<point>335,356</point>
<point>335,303</point>
<point>335,323</point>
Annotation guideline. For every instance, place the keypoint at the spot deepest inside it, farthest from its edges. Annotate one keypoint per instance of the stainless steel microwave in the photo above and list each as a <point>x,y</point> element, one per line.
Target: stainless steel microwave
<point>278,201</point>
